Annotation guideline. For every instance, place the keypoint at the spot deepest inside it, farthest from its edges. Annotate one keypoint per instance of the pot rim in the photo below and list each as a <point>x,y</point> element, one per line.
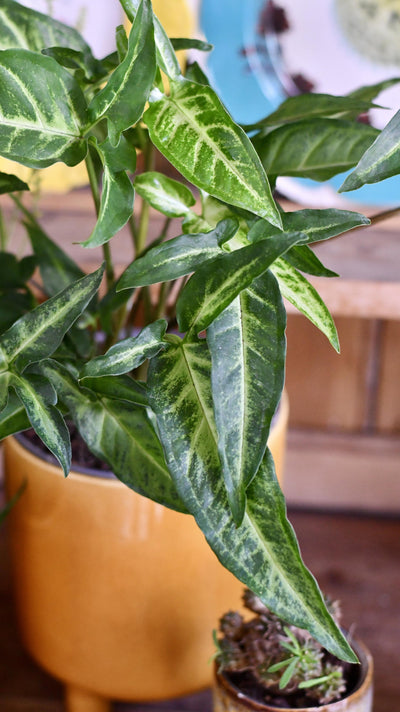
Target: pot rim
<point>51,460</point>
<point>364,682</point>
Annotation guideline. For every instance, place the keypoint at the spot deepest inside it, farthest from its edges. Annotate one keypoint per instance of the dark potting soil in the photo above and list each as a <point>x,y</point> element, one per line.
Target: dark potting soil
<point>247,685</point>
<point>82,457</point>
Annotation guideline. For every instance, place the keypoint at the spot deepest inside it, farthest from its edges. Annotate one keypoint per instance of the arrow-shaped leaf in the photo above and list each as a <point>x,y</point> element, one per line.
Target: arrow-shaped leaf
<point>216,283</point>
<point>177,257</point>
<point>119,433</point>
<point>35,130</point>
<point>380,161</point>
<point>119,387</point>
<point>124,97</point>
<point>247,345</point>
<point>38,398</point>
<point>317,224</point>
<point>128,353</point>
<point>314,148</point>
<point>194,131</point>
<point>263,552</point>
<point>298,290</point>
<point>37,334</point>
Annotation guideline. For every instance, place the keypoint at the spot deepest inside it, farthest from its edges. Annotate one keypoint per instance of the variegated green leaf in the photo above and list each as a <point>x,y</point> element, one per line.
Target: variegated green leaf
<point>312,105</point>
<point>116,205</point>
<point>37,334</point>
<point>128,353</point>
<point>298,290</point>
<point>121,434</point>
<point>9,183</point>
<point>380,161</point>
<point>317,224</point>
<point>166,56</point>
<point>314,148</point>
<point>25,28</point>
<point>194,131</point>
<point>36,130</point>
<point>165,194</point>
<point>304,259</point>
<point>262,552</point>
<point>124,97</point>
<point>177,257</point>
<point>119,387</point>
<point>38,398</point>
<point>13,419</point>
<point>4,383</point>
<point>247,345</point>
<point>216,283</point>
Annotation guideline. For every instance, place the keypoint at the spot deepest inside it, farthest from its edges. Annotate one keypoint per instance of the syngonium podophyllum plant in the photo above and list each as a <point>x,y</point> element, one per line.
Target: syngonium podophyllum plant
<point>180,411</point>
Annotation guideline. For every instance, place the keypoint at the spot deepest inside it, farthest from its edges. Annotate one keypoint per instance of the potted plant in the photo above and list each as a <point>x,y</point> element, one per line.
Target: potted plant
<point>264,664</point>
<point>181,411</point>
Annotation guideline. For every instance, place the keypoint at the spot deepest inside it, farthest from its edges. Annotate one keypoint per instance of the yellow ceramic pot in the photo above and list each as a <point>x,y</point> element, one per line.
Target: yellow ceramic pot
<point>228,698</point>
<point>116,596</point>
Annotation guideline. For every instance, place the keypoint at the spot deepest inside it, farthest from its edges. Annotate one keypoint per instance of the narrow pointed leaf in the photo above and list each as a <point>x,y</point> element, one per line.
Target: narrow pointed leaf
<point>380,161</point>
<point>304,259</point>
<point>316,224</point>
<point>118,387</point>
<point>194,131</point>
<point>35,130</point>
<point>314,148</point>
<point>128,353</point>
<point>116,207</point>
<point>26,28</point>
<point>46,420</point>
<point>216,284</point>
<point>177,257</point>
<point>263,552</point>
<point>298,290</point>
<point>307,106</point>
<point>370,91</point>
<point>37,334</point>
<point>166,56</point>
<point>13,419</point>
<point>124,97</point>
<point>247,345</point>
<point>121,434</point>
<point>169,196</point>
<point>9,183</point>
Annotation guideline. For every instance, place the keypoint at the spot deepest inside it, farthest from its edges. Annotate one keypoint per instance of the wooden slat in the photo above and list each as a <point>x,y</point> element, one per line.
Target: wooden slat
<point>328,390</point>
<point>388,398</point>
<point>343,472</point>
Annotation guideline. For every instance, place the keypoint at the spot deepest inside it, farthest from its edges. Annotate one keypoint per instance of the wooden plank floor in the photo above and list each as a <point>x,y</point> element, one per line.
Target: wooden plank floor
<point>355,558</point>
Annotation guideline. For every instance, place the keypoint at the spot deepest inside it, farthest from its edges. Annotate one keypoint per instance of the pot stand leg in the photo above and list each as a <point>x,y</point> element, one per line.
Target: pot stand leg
<point>78,700</point>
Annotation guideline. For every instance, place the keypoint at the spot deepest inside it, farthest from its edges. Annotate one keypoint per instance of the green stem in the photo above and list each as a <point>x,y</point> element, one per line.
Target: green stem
<point>141,236</point>
<point>94,186</point>
<point>3,233</point>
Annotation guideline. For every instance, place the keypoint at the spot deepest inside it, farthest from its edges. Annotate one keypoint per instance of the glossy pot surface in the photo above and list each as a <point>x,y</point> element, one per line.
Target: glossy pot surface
<point>115,594</point>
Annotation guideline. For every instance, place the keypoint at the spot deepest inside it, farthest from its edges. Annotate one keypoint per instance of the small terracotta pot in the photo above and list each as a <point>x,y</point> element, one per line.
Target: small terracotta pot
<point>116,596</point>
<point>228,698</point>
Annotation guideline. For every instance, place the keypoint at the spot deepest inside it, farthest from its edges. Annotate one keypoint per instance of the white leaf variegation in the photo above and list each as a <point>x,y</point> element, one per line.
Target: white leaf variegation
<point>298,290</point>
<point>247,345</point>
<point>262,552</point>
<point>36,130</point>
<point>208,148</point>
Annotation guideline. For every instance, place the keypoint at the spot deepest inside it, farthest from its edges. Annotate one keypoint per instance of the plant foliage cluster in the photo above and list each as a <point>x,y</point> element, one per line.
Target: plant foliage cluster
<point>181,411</point>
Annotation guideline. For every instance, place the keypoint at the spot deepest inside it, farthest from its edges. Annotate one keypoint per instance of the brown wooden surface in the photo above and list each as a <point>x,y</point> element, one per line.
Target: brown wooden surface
<point>355,559</point>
